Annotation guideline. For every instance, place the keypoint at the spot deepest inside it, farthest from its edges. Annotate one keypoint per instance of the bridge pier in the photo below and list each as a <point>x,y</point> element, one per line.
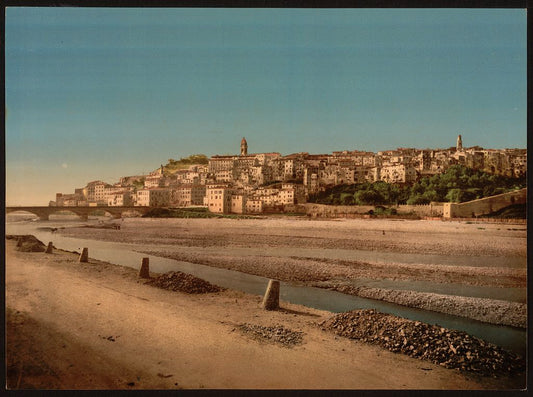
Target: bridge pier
<point>84,217</point>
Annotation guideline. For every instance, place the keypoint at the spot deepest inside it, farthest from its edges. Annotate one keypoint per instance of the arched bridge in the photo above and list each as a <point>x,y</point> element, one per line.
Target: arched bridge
<point>83,212</point>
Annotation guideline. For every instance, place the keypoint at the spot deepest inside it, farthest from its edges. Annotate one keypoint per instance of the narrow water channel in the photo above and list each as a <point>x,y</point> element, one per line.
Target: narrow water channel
<point>118,253</point>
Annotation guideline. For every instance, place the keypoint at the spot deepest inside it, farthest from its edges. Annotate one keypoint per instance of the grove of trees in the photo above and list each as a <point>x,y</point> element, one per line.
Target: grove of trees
<point>458,184</point>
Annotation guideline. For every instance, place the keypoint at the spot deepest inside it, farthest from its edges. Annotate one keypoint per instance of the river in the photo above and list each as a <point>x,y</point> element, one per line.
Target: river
<point>125,254</point>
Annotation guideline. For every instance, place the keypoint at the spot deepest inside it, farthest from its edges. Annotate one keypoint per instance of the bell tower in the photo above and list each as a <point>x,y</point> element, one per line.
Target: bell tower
<point>244,147</point>
<point>459,143</point>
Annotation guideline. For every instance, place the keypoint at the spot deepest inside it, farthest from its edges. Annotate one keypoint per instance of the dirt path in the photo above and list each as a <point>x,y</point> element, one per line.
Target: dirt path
<point>96,326</point>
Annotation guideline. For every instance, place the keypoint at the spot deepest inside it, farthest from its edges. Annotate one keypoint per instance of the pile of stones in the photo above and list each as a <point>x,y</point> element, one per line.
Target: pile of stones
<point>27,243</point>
<point>448,348</point>
<point>184,282</point>
<point>276,334</point>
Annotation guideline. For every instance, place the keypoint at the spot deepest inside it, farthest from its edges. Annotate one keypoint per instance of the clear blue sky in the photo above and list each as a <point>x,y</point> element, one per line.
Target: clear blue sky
<point>101,93</point>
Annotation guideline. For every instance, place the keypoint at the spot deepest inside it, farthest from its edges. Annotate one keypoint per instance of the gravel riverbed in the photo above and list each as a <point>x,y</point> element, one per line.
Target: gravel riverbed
<point>234,244</point>
<point>451,349</point>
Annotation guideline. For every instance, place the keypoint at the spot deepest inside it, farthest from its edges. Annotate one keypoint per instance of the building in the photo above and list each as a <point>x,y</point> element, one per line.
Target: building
<point>244,147</point>
<point>120,199</point>
<point>156,197</point>
<point>238,204</point>
<point>218,199</point>
<point>398,173</point>
<point>70,200</point>
<point>187,195</point>
<point>237,183</point>
<point>95,192</point>
<point>254,206</point>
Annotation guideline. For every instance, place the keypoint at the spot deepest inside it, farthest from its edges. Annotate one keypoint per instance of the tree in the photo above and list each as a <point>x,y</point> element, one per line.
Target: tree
<point>347,199</point>
<point>431,195</point>
<point>417,189</point>
<point>417,199</point>
<point>368,197</point>
<point>454,195</point>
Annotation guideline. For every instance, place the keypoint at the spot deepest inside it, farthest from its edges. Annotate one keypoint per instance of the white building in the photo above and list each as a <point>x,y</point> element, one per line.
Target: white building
<point>153,197</point>
<point>186,195</point>
<point>218,199</point>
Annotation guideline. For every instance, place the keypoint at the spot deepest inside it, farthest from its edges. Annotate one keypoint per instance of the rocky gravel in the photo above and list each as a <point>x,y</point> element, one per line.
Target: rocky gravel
<point>327,273</point>
<point>239,241</point>
<point>448,348</point>
<point>306,270</point>
<point>276,334</point>
<point>27,243</point>
<point>491,311</point>
<point>285,269</point>
<point>431,237</point>
<point>183,282</point>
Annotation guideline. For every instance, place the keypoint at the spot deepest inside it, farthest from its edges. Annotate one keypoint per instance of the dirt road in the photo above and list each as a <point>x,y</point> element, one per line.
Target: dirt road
<point>97,326</point>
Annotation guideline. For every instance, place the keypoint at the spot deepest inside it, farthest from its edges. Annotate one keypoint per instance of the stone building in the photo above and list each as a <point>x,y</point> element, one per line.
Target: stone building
<point>254,206</point>
<point>238,203</point>
<point>120,199</point>
<point>155,197</point>
<point>244,147</point>
<point>187,195</point>
<point>218,199</point>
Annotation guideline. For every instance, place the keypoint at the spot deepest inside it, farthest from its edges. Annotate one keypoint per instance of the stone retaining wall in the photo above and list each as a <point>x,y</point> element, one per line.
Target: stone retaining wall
<point>484,206</point>
<point>362,211</point>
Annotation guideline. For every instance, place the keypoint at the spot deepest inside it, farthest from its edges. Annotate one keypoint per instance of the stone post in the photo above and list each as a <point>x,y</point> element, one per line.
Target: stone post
<point>50,248</point>
<point>84,257</point>
<point>145,268</point>
<point>271,299</point>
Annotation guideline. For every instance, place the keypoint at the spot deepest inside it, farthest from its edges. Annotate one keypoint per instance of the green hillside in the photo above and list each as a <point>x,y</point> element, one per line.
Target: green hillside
<point>185,162</point>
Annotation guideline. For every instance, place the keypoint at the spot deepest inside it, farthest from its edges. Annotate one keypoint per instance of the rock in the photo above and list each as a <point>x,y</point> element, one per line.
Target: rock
<point>432,343</point>
<point>144,272</point>
<point>271,299</point>
<point>28,243</point>
<point>275,334</point>
<point>184,282</point>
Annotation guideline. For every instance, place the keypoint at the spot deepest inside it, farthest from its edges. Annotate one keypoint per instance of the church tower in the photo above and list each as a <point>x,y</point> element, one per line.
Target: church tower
<point>244,147</point>
<point>459,143</point>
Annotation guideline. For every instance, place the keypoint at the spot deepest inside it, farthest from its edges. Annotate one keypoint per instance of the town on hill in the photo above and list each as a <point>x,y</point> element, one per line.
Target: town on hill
<point>259,182</point>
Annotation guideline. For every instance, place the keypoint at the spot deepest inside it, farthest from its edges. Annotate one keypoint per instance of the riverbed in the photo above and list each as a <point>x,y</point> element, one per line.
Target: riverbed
<point>290,245</point>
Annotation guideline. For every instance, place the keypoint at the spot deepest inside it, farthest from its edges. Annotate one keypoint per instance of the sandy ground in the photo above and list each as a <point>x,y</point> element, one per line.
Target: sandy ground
<point>430,237</point>
<point>72,325</point>
<point>254,246</point>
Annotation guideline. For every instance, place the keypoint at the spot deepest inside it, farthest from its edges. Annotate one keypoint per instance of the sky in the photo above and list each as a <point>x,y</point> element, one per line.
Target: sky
<point>100,93</point>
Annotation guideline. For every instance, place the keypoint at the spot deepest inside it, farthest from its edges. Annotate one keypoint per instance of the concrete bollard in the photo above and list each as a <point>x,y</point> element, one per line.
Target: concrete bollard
<point>50,248</point>
<point>145,268</point>
<point>271,299</point>
<point>19,243</point>
<point>84,257</point>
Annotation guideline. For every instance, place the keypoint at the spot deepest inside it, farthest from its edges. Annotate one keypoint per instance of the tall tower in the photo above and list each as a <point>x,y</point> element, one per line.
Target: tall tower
<point>459,143</point>
<point>244,147</point>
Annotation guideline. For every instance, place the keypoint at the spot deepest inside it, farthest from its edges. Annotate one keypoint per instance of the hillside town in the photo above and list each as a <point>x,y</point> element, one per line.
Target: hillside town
<point>259,182</point>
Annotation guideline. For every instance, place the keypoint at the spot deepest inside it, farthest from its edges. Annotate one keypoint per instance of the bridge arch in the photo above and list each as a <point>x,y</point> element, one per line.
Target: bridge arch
<point>83,212</point>
<point>26,213</point>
